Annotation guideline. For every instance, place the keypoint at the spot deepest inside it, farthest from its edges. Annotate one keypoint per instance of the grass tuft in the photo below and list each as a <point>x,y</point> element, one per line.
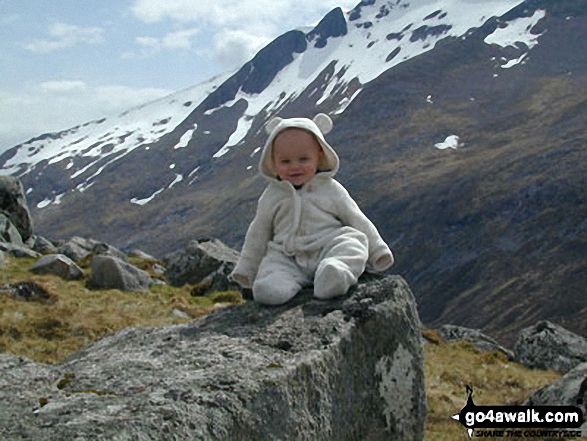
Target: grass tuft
<point>234,297</point>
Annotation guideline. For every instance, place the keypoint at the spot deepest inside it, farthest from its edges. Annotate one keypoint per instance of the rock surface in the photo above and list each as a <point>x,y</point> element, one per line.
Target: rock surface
<point>141,254</point>
<point>570,390</point>
<point>43,245</point>
<point>104,249</point>
<point>549,346</point>
<point>8,232</point>
<point>346,369</point>
<point>14,206</point>
<point>332,25</point>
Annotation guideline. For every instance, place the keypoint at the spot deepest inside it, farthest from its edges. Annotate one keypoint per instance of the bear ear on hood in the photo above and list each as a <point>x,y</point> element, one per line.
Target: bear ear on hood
<point>270,126</point>
<point>323,122</point>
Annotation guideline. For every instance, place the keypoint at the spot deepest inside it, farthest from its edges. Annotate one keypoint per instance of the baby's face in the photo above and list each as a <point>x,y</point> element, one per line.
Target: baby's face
<point>296,155</point>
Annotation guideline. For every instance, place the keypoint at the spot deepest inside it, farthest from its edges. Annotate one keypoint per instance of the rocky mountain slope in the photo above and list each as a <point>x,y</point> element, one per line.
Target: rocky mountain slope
<point>494,232</point>
<point>461,128</point>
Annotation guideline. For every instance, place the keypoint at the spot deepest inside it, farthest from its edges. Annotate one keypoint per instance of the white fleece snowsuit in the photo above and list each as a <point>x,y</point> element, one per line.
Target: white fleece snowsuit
<point>315,234</point>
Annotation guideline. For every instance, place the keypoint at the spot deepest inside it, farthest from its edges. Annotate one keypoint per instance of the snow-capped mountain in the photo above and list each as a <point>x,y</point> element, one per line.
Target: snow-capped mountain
<point>327,66</point>
<point>461,128</point>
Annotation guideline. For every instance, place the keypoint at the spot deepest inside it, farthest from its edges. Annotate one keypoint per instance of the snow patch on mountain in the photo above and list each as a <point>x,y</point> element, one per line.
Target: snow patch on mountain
<point>178,179</point>
<point>517,33</point>
<point>451,142</point>
<point>148,199</point>
<point>185,138</point>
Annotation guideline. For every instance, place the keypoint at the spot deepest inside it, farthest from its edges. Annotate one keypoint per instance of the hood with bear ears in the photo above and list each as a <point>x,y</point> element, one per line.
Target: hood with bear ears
<point>319,126</point>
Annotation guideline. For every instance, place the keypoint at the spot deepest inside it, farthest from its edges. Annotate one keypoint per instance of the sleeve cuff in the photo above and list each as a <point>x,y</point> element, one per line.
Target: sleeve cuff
<point>241,279</point>
<point>382,261</point>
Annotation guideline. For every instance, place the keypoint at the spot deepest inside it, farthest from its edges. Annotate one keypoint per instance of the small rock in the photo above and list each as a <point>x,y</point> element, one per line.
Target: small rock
<point>76,248</point>
<point>180,314</point>
<point>59,265</point>
<point>103,249</point>
<point>159,269</point>
<point>112,273</point>
<point>484,343</point>
<point>199,260</point>
<point>17,250</point>
<point>28,291</point>
<point>140,254</point>
<point>43,245</point>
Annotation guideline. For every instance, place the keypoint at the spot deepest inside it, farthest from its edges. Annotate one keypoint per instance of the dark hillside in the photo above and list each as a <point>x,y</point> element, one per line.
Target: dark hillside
<point>494,233</point>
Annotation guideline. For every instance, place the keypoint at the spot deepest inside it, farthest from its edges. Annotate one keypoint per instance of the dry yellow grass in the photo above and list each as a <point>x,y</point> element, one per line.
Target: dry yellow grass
<point>74,316</point>
<point>450,367</point>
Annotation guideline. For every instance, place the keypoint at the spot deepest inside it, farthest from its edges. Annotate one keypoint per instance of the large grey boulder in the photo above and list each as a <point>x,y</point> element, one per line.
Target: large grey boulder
<point>111,273</point>
<point>570,390</point>
<point>59,265</point>
<point>201,259</point>
<point>3,262</point>
<point>347,369</point>
<point>484,343</point>
<point>14,206</point>
<point>550,346</point>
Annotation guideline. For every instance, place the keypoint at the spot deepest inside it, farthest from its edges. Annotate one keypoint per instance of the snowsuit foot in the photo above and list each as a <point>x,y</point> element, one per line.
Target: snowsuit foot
<point>343,261</point>
<point>279,279</point>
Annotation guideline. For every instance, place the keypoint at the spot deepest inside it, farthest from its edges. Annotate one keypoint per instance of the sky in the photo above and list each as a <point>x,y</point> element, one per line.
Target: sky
<point>66,62</point>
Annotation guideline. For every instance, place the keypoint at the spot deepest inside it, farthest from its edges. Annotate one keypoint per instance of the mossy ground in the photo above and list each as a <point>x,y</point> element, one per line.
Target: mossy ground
<point>74,316</point>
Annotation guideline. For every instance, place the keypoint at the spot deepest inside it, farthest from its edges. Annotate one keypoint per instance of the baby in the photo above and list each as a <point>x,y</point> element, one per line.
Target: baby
<point>307,228</point>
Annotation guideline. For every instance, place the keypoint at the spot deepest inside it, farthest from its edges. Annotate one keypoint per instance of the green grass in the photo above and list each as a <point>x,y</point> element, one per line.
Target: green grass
<point>74,316</point>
